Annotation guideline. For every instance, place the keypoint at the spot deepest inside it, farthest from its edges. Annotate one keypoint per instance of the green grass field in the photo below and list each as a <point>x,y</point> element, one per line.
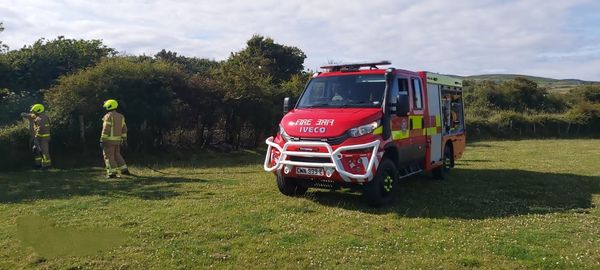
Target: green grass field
<point>514,204</point>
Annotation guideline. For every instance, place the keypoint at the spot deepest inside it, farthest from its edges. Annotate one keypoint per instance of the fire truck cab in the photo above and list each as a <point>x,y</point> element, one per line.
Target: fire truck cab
<point>359,125</point>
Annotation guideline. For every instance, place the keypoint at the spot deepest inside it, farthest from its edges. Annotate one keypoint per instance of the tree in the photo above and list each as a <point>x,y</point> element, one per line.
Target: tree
<point>3,47</point>
<point>252,80</point>
<point>280,61</point>
<point>4,70</point>
<point>38,66</point>
<point>247,88</point>
<point>589,93</point>
<point>191,65</point>
<point>295,85</point>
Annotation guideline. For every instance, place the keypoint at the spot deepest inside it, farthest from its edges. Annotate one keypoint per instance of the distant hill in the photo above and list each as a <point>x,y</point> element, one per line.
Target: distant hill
<point>559,85</point>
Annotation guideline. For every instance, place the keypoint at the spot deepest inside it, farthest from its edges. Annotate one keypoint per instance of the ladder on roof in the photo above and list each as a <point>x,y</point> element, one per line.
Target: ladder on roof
<point>355,66</point>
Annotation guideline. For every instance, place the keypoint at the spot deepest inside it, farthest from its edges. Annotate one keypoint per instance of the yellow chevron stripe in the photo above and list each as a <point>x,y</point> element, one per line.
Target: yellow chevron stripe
<point>417,121</point>
<point>399,134</point>
<point>378,130</point>
<point>430,131</point>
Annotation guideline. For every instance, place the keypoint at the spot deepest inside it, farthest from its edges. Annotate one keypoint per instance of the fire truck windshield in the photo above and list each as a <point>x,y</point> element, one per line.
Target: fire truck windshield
<point>358,91</point>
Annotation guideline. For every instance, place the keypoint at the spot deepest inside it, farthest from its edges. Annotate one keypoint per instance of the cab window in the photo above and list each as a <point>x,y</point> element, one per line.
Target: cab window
<point>403,87</point>
<point>418,94</point>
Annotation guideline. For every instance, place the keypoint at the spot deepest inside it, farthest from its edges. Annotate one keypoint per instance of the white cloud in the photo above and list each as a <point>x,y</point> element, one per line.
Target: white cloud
<point>459,37</point>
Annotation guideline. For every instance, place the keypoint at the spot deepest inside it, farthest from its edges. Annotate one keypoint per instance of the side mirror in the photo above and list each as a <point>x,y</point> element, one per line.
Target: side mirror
<point>402,106</point>
<point>286,104</point>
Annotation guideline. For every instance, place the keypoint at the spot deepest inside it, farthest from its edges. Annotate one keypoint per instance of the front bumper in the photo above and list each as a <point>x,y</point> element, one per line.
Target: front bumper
<point>336,156</point>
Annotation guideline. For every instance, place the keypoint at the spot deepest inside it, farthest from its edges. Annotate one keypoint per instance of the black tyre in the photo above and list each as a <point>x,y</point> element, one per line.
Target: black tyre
<point>290,187</point>
<point>442,172</point>
<point>381,190</point>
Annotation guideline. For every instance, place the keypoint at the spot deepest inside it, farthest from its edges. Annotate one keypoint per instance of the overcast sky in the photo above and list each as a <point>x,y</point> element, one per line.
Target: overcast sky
<point>550,38</point>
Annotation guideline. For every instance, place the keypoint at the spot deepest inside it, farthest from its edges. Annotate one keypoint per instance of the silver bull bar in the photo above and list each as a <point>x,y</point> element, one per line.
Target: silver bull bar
<point>335,156</point>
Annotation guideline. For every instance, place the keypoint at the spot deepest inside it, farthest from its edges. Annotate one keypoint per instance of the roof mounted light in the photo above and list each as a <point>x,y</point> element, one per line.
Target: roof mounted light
<point>355,66</point>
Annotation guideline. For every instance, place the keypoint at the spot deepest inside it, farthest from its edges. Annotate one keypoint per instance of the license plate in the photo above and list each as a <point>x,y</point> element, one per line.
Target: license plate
<point>310,171</point>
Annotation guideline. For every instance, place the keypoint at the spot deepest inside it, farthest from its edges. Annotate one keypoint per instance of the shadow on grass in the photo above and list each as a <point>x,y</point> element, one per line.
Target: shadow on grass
<point>478,194</point>
<point>198,160</point>
<point>34,185</point>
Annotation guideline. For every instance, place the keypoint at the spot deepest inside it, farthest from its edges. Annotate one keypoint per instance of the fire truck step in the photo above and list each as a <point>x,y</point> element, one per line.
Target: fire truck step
<point>401,175</point>
<point>409,170</point>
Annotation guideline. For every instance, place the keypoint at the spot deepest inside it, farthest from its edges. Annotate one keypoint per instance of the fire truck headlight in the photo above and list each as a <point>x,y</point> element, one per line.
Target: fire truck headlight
<point>363,130</point>
<point>284,135</point>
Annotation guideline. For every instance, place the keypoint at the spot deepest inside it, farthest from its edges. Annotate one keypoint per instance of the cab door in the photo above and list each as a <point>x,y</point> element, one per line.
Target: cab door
<point>400,126</point>
<point>418,137</point>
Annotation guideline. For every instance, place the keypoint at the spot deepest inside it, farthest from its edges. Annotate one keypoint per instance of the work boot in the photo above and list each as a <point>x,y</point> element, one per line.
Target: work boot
<point>125,172</point>
<point>112,175</point>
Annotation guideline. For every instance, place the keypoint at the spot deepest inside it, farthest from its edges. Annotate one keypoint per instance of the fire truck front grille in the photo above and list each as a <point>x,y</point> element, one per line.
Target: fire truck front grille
<point>311,159</point>
<point>331,141</point>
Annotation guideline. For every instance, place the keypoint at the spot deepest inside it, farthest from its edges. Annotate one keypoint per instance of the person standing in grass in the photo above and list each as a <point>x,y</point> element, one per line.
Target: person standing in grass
<point>114,134</point>
<point>40,129</point>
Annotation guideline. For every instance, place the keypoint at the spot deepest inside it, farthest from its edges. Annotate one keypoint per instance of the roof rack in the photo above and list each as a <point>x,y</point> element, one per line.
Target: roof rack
<point>355,66</point>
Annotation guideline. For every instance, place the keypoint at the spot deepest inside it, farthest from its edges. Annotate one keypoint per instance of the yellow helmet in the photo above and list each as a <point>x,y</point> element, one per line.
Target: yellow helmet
<point>110,104</point>
<point>37,108</point>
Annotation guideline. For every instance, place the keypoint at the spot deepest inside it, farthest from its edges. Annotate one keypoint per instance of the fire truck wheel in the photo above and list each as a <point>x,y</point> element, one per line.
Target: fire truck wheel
<point>442,172</point>
<point>381,190</point>
<point>290,187</point>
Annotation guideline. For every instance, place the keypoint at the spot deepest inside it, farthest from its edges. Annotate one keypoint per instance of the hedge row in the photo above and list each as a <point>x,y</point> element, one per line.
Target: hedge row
<point>512,125</point>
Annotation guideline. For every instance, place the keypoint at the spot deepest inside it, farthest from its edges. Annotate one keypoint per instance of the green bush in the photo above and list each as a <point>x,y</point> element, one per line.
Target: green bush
<point>146,91</point>
<point>15,147</point>
<point>581,121</point>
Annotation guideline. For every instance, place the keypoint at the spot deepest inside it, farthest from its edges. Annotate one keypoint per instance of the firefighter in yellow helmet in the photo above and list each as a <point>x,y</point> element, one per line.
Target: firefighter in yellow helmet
<point>114,134</point>
<point>40,129</point>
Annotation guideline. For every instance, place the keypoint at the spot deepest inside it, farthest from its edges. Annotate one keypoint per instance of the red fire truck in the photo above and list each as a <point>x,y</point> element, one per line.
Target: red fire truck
<point>359,125</point>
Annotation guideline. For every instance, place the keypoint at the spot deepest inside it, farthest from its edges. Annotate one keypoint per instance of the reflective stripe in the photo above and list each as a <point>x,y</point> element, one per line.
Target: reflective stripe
<point>430,131</point>
<point>45,161</point>
<point>111,138</point>
<point>399,134</point>
<point>417,121</point>
<point>42,135</point>
<point>438,120</point>
<point>107,123</point>
<point>378,131</point>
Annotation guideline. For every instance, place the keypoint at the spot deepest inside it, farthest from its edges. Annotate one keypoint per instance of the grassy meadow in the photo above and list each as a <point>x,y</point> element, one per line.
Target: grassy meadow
<point>507,204</point>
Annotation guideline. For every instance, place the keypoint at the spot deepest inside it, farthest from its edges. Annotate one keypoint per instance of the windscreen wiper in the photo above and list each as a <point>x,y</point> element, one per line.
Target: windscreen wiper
<point>359,104</point>
<point>315,106</point>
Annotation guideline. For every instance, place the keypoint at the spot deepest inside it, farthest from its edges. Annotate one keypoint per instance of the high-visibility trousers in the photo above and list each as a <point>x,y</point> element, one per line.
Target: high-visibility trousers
<point>42,157</point>
<point>112,157</point>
